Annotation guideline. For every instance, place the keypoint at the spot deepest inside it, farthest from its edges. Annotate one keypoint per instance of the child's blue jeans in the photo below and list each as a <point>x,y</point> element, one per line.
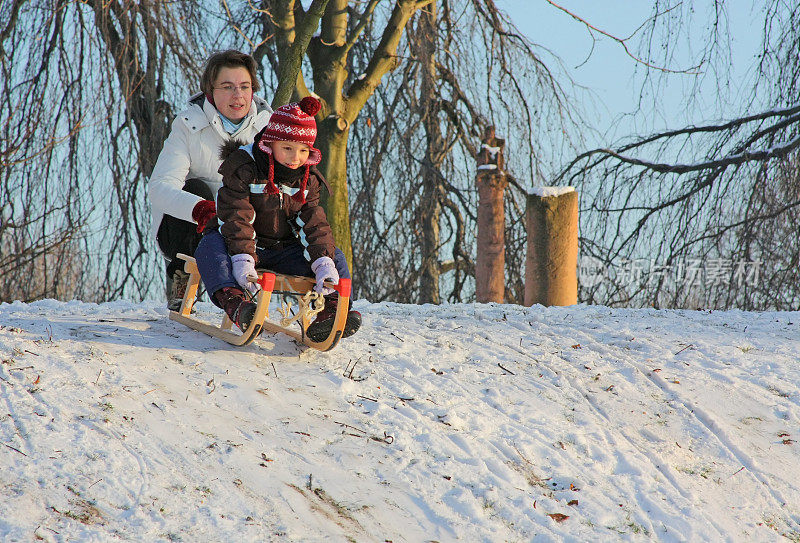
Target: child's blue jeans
<point>216,269</point>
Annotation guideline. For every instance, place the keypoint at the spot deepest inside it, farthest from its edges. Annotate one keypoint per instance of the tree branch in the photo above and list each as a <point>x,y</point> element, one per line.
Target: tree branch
<point>729,160</point>
<point>293,58</point>
<point>383,58</point>
<point>622,41</point>
<point>362,23</point>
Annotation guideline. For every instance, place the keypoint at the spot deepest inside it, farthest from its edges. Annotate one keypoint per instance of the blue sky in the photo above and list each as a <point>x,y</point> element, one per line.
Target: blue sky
<point>605,68</point>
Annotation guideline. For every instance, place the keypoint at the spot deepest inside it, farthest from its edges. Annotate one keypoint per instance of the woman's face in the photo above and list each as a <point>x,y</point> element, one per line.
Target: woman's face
<point>233,93</point>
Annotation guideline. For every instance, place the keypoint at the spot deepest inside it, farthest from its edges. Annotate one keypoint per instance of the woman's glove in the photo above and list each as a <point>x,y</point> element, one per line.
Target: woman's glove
<point>244,269</point>
<point>203,211</point>
<point>323,269</point>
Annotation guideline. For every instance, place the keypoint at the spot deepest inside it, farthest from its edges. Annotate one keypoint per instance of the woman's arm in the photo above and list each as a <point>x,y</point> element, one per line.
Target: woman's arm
<point>169,175</point>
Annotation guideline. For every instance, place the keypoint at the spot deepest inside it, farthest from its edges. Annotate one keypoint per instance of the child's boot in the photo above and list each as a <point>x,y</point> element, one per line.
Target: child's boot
<point>320,329</point>
<point>240,310</point>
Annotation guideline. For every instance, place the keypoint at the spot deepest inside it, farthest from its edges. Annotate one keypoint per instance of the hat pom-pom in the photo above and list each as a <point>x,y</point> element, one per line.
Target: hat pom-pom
<point>310,105</point>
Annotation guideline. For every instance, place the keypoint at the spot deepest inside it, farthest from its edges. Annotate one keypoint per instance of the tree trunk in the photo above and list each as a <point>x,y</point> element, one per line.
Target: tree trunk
<point>491,259</point>
<point>328,55</point>
<point>294,43</point>
<point>430,209</point>
<point>332,142</point>
<point>552,260</point>
<point>329,65</point>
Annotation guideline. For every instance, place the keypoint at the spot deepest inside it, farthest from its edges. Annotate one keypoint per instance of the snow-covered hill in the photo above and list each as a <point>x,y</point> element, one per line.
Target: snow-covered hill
<point>456,422</point>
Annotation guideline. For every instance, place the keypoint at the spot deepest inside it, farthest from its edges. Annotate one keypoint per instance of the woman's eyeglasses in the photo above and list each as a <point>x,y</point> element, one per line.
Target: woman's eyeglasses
<point>227,88</point>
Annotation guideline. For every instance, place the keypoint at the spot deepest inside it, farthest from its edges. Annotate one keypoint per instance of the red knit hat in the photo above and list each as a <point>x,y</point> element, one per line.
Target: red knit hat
<point>294,122</point>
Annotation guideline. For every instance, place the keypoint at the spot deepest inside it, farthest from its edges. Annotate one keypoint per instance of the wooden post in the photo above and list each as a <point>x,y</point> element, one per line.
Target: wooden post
<point>551,264</point>
<point>490,284</point>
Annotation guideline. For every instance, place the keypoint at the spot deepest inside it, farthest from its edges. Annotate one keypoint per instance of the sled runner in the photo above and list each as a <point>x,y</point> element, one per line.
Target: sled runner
<point>290,287</point>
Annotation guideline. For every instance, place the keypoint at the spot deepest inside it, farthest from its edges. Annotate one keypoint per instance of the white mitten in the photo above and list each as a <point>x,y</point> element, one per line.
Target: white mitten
<point>244,271</point>
<point>323,269</point>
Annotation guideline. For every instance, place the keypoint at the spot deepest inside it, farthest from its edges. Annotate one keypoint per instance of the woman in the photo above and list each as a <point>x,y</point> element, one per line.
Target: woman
<point>185,180</point>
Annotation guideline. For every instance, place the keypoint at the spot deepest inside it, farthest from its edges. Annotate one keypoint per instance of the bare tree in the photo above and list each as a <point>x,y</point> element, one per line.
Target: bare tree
<point>707,223</point>
<point>89,91</point>
<point>84,116</point>
<point>423,45</point>
<point>41,221</point>
<point>342,94</point>
<point>414,164</point>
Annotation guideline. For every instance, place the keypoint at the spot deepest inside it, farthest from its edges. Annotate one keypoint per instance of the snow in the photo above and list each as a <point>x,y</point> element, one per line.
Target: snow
<point>551,191</point>
<point>481,422</point>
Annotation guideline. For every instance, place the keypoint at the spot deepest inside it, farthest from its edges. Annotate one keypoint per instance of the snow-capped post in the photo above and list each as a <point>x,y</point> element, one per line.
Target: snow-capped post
<point>551,264</point>
<point>490,284</point>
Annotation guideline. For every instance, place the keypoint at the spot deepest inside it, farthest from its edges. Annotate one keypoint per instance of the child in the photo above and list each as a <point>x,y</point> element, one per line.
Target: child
<point>268,214</point>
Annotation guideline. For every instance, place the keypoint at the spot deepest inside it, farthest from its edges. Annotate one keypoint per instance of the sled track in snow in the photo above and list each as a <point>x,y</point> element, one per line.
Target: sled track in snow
<point>611,432</point>
<point>707,421</point>
<point>660,466</point>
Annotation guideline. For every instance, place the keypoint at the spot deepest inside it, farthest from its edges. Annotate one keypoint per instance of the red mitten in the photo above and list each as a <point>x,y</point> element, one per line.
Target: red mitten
<point>203,211</point>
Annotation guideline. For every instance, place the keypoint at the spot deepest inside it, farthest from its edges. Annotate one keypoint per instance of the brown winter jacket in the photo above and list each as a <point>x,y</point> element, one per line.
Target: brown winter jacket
<point>250,218</point>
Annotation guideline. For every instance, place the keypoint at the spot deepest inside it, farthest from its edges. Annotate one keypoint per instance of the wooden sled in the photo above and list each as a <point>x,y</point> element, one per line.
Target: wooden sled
<point>301,288</point>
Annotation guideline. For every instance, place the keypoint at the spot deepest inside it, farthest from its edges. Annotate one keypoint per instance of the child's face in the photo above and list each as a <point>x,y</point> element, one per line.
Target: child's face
<point>290,153</point>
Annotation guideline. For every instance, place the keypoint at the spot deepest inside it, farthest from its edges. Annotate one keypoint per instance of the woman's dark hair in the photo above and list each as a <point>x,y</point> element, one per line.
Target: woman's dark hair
<point>227,59</point>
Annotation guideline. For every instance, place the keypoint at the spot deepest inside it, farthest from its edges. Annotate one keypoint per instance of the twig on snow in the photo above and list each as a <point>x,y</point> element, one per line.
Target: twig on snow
<point>15,449</point>
<point>388,439</point>
<point>385,439</point>
<point>352,427</point>
<point>37,536</point>
<point>505,369</point>
<point>349,374</point>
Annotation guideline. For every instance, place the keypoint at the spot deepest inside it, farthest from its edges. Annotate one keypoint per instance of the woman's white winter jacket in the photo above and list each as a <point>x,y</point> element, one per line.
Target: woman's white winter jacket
<point>192,152</point>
